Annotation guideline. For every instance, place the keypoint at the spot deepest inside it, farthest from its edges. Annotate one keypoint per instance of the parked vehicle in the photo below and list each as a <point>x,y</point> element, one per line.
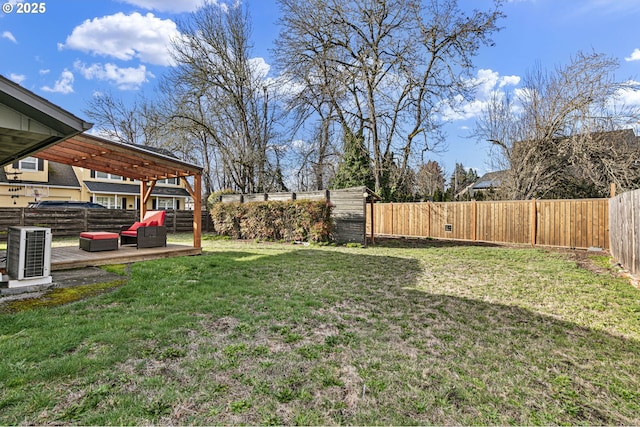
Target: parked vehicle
<point>61,204</point>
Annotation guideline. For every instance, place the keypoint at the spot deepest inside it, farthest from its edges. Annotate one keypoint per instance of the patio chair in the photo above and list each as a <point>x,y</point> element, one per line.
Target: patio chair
<point>148,233</point>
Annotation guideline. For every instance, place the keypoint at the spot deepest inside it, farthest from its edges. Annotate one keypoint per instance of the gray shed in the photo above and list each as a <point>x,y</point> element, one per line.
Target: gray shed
<point>350,213</point>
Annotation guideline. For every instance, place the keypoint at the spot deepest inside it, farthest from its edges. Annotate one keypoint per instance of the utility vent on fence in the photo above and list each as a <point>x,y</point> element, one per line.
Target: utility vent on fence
<point>448,228</point>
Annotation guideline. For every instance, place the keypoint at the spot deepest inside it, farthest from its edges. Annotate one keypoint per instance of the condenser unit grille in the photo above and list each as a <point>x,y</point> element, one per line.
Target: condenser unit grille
<point>28,252</point>
<point>34,253</point>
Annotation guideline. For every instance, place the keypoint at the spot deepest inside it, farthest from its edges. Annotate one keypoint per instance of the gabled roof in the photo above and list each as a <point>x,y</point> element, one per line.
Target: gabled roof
<point>489,180</point>
<point>29,122</point>
<point>59,175</point>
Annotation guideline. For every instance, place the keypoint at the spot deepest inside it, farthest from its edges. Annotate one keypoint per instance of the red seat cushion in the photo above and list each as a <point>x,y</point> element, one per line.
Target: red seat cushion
<point>98,235</point>
<point>153,224</point>
<point>155,216</point>
<point>135,226</point>
<point>131,233</point>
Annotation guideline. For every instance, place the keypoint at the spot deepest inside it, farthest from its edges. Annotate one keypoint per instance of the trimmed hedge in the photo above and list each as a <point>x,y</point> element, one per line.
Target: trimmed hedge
<point>299,220</point>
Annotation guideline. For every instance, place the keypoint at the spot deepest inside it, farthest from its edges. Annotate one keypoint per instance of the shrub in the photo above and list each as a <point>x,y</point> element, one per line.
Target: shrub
<point>300,220</point>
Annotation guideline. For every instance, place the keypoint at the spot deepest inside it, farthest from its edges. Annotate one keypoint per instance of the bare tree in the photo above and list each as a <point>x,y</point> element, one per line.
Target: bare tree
<point>220,97</point>
<point>134,123</point>
<point>315,92</point>
<point>385,66</point>
<point>430,179</point>
<point>555,138</point>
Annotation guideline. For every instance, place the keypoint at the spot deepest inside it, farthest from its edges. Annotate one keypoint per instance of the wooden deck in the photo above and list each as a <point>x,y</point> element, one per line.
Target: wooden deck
<point>67,257</point>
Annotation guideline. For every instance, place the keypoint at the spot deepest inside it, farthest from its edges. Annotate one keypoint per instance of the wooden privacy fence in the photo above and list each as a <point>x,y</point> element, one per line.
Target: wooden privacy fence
<point>625,238</point>
<point>565,223</point>
<point>71,222</point>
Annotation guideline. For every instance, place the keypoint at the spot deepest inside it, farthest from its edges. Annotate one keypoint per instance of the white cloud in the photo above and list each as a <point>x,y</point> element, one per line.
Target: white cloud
<point>7,35</point>
<point>175,6</point>
<point>259,67</point>
<point>629,97</point>
<point>487,81</point>
<point>487,84</point>
<point>63,85</point>
<point>124,78</point>
<point>18,78</point>
<point>635,56</point>
<point>510,81</point>
<point>44,72</point>
<point>125,37</point>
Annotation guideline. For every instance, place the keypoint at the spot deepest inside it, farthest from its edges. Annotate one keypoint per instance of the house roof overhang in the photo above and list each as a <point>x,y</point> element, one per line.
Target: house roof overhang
<point>29,123</point>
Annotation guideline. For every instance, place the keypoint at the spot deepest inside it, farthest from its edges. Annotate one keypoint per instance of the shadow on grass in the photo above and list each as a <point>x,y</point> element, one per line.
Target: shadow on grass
<point>419,242</point>
<point>347,334</point>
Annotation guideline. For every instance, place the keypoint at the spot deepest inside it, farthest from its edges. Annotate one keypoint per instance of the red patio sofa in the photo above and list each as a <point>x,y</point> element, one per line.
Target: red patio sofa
<point>148,233</point>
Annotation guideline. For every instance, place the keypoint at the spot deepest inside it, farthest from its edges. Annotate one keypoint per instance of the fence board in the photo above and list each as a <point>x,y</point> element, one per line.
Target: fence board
<point>563,223</point>
<point>625,239</point>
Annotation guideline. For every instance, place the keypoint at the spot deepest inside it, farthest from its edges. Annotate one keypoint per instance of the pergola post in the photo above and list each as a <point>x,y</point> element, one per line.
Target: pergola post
<point>197,210</point>
<point>143,202</point>
<point>145,193</point>
<point>196,194</point>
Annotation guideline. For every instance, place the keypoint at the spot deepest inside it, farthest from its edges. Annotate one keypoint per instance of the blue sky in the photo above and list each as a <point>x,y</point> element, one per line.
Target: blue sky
<point>75,48</point>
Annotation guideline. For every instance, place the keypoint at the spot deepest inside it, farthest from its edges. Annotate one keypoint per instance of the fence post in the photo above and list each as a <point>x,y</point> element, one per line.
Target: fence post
<point>534,224</point>
<point>428,219</point>
<point>391,203</point>
<point>474,223</point>
<point>612,190</point>
<point>175,220</point>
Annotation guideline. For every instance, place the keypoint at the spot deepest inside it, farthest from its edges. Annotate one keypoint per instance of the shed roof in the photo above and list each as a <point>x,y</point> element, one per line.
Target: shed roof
<point>367,193</point>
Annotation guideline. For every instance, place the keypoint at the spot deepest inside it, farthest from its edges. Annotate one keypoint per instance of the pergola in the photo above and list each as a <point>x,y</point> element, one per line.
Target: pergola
<point>32,126</point>
<point>129,161</point>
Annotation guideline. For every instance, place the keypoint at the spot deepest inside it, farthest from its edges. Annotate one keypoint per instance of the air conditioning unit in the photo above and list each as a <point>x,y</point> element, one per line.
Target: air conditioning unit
<point>28,256</point>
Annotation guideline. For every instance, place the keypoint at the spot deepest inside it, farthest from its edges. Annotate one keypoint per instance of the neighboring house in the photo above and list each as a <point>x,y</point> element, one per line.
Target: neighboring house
<point>32,179</point>
<point>489,182</point>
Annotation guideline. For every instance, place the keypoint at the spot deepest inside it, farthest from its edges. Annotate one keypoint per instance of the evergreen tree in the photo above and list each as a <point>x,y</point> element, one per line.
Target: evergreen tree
<point>355,168</point>
<point>460,179</point>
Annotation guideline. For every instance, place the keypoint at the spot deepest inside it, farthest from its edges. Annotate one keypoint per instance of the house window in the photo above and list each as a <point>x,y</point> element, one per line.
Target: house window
<point>173,181</point>
<point>28,164</point>
<point>165,204</point>
<point>104,175</point>
<point>107,201</point>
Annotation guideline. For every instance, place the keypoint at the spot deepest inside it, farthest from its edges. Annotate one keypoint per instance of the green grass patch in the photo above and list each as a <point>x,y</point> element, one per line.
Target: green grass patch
<point>273,334</point>
<point>120,269</point>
